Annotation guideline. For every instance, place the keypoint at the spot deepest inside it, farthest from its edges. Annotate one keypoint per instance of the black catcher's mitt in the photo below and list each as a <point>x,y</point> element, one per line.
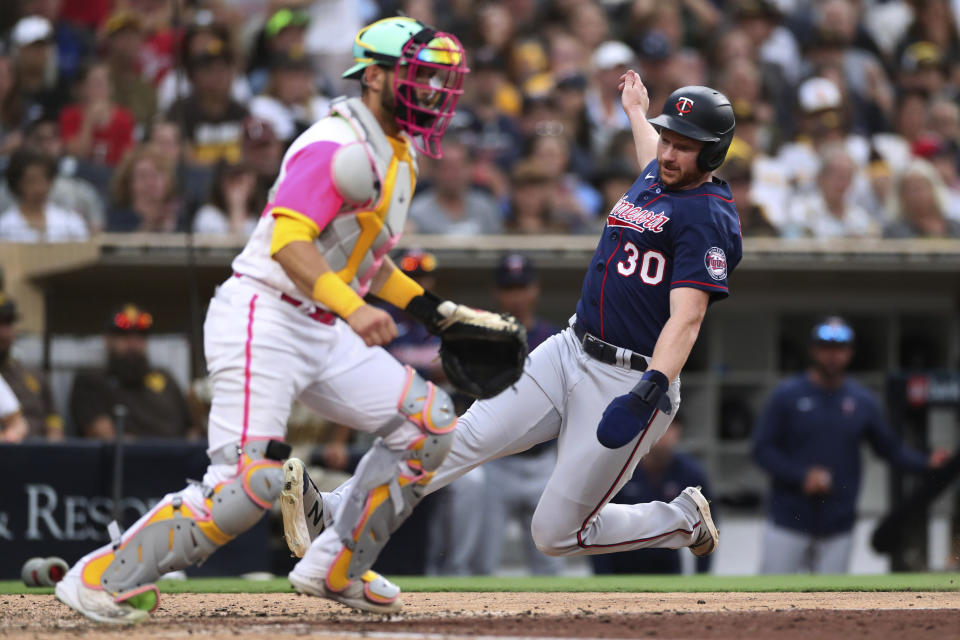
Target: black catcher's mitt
<point>482,352</point>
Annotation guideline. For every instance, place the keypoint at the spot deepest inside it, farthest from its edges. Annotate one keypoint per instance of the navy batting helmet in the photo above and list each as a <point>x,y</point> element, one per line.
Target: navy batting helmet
<point>703,114</point>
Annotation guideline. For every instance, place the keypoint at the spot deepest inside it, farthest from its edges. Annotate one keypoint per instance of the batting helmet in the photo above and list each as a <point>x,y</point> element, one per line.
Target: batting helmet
<point>703,114</point>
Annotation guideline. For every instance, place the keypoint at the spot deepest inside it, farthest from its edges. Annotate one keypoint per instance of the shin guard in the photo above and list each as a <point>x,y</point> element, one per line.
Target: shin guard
<point>176,535</point>
<point>389,483</point>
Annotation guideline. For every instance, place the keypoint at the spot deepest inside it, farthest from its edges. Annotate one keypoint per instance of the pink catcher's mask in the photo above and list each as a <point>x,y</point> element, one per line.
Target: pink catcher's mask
<point>427,83</point>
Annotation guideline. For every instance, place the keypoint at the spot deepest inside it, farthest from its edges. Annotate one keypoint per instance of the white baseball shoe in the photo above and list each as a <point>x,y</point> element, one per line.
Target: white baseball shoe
<point>302,507</point>
<point>372,592</point>
<point>96,604</point>
<point>708,538</point>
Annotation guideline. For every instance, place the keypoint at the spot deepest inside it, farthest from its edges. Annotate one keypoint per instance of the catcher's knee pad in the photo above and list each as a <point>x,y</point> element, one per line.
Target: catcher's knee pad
<point>176,535</point>
<point>431,409</point>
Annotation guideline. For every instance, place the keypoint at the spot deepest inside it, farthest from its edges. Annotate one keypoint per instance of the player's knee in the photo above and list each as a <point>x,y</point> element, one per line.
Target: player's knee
<point>547,537</point>
<point>431,409</point>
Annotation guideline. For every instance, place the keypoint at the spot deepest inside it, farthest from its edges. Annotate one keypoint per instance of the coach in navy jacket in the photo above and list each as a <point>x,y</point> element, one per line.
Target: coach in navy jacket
<point>808,440</point>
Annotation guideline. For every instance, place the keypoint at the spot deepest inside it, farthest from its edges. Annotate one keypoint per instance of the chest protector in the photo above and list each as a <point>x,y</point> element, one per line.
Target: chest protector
<point>356,240</point>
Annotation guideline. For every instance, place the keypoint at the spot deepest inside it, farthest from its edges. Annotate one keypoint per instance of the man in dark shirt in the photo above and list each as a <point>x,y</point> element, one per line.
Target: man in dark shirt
<point>808,440</point>
<point>211,120</point>
<point>30,388</point>
<point>154,404</point>
<point>661,475</point>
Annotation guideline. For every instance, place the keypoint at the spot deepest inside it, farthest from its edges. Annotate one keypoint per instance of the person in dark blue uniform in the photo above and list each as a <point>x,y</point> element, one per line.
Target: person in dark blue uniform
<point>808,439</point>
<point>608,386</point>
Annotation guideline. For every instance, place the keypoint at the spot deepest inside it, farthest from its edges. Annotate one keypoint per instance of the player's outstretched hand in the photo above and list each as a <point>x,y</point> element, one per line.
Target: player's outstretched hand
<point>628,415</point>
<point>633,93</point>
<point>374,325</point>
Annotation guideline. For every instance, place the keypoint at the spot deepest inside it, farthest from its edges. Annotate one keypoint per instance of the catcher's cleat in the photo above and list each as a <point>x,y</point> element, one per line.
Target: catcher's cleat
<point>708,538</point>
<point>96,604</point>
<point>372,592</point>
<point>302,507</point>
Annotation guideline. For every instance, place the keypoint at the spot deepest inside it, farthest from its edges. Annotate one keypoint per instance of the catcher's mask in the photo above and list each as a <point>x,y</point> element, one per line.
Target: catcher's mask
<point>429,68</point>
<point>428,82</point>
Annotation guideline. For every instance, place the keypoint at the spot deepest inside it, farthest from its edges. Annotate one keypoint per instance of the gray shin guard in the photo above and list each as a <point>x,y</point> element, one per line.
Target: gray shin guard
<point>177,536</point>
<point>388,484</point>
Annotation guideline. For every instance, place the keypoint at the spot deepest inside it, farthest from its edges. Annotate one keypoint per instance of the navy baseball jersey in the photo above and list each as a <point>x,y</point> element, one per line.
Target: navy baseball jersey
<point>655,240</point>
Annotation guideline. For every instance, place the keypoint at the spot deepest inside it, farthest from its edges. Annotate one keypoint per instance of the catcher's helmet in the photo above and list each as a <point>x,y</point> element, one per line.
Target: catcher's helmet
<point>703,114</point>
<point>429,66</point>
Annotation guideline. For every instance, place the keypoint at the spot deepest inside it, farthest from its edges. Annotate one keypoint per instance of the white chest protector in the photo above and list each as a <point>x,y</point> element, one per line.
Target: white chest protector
<point>376,185</point>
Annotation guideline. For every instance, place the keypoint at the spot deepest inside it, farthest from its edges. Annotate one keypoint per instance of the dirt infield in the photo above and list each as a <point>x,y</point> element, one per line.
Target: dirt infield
<point>278,616</point>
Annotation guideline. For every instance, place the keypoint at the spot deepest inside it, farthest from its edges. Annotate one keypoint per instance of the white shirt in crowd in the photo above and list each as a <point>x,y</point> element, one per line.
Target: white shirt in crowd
<point>61,225</point>
<point>210,219</point>
<point>809,216</point>
<point>9,405</point>
<point>284,118</point>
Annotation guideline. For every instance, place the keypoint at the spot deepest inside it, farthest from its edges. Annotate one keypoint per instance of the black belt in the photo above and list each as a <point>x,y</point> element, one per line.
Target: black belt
<point>604,351</point>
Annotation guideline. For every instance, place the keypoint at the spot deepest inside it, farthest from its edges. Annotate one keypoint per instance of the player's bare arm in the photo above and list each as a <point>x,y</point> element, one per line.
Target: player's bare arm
<point>687,308</point>
<point>636,103</point>
<point>310,272</point>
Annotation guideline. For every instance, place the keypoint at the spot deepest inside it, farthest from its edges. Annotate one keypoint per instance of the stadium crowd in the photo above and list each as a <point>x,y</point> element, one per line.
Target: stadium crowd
<point>173,115</point>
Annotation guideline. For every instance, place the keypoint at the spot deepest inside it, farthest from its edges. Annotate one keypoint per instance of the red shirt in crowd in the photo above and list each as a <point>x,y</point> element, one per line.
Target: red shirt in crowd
<point>109,142</point>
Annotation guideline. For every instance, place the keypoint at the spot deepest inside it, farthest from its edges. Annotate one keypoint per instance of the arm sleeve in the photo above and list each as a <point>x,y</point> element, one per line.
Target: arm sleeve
<point>886,444</point>
<point>700,260</point>
<point>766,447</point>
<point>9,405</point>
<point>307,188</point>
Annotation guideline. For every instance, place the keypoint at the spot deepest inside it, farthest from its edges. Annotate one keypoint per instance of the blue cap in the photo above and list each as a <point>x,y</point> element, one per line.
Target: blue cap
<point>515,270</point>
<point>832,330</point>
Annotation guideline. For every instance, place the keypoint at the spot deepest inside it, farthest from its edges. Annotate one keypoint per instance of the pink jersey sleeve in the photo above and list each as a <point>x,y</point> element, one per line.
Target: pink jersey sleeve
<point>307,187</point>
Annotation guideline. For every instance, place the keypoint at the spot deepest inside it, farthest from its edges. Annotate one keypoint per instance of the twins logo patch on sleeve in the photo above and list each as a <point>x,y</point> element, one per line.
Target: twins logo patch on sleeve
<point>716,263</point>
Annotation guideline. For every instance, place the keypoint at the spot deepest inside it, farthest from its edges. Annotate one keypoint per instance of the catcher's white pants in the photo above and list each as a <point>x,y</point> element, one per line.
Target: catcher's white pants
<point>562,394</point>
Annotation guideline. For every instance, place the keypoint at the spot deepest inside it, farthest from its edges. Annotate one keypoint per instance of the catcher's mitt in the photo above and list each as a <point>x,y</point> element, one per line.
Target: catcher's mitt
<point>482,352</point>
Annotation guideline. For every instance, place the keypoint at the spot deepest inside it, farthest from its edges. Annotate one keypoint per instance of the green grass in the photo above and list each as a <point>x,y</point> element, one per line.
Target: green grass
<point>638,584</point>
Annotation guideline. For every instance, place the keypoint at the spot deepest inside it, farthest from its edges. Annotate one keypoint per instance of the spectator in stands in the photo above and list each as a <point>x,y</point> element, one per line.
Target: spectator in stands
<point>11,110</point>
<point>29,386</point>
<point>613,180</point>
<point>143,196</point>
<point>289,102</point>
<point>122,39</point>
<point>231,207</point>
<point>13,427</point>
<point>73,44</point>
<point>69,191</point>
<point>283,33</point>
<point>35,67</point>
<point>573,200</point>
<point>829,211</point>
<point>211,119</point>
<point>155,406</point>
<point>609,61</point>
<point>263,151</point>
<point>453,205</point>
<point>34,218</point>
<point>96,129</point>
<point>531,201</point>
<point>921,205</point>
<point>808,439</point>
<point>660,476</point>
<point>923,69</point>
<point>754,221</point>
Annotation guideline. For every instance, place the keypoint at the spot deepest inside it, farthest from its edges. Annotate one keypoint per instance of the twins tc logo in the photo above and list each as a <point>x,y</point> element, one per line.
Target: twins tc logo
<point>684,106</point>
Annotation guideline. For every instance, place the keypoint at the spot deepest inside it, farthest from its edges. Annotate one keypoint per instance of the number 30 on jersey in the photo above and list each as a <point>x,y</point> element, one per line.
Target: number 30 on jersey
<point>652,265</point>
